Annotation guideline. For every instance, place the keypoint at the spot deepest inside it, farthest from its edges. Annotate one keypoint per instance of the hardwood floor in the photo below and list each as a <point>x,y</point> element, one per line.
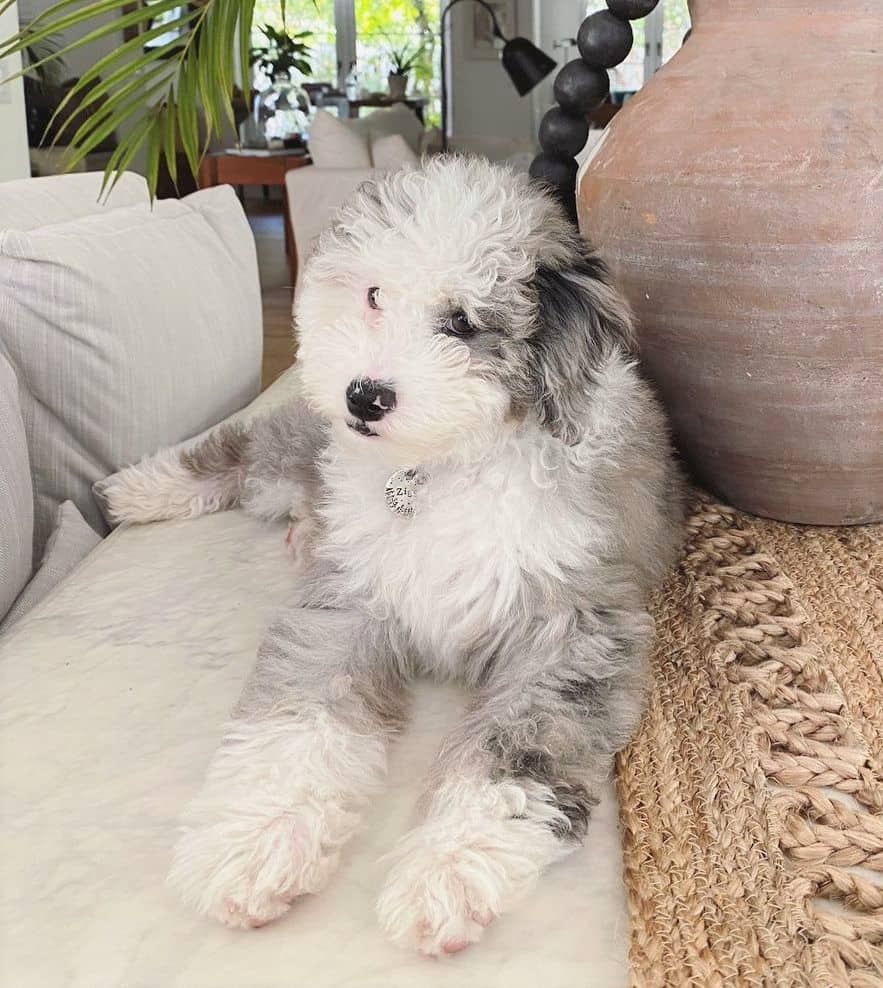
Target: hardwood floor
<point>265,219</point>
<point>279,345</point>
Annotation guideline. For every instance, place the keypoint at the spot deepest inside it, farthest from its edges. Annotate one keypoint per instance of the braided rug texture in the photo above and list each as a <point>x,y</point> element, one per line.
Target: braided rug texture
<point>752,796</point>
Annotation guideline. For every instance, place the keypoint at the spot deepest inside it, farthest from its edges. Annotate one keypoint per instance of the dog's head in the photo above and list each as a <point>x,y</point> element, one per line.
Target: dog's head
<point>445,301</point>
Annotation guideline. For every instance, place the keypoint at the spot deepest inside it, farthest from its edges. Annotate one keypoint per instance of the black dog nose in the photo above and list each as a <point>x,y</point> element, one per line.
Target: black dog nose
<point>369,400</point>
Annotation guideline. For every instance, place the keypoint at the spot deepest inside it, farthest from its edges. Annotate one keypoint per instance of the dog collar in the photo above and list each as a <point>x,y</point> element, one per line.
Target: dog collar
<point>401,490</point>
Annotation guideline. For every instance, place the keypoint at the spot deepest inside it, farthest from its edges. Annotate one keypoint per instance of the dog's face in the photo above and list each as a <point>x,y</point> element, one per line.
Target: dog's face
<point>443,302</point>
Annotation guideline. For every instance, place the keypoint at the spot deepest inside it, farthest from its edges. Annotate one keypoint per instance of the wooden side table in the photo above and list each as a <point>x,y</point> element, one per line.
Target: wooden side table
<point>415,103</point>
<point>223,168</point>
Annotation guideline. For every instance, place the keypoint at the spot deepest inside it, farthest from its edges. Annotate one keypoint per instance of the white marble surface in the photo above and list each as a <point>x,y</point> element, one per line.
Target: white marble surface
<point>113,695</point>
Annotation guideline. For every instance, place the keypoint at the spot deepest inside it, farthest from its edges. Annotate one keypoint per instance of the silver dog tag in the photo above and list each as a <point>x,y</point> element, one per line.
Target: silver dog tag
<point>401,490</point>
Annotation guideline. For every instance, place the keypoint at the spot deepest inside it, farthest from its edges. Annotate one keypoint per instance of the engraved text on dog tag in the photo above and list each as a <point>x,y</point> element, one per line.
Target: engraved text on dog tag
<point>401,490</point>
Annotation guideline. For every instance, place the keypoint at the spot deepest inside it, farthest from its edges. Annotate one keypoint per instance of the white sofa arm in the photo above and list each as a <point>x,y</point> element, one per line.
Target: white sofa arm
<point>314,194</point>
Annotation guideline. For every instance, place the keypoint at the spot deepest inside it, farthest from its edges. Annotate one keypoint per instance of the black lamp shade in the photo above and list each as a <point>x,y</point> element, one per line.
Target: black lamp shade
<point>525,64</point>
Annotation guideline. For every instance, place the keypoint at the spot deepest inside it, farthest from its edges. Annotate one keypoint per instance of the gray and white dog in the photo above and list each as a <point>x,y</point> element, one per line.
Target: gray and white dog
<point>481,487</point>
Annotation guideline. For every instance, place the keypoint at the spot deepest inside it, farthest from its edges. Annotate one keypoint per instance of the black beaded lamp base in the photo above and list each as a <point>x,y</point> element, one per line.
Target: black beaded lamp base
<point>604,40</point>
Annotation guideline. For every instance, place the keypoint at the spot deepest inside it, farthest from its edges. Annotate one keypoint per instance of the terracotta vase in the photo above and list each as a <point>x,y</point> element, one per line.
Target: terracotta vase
<point>739,200</point>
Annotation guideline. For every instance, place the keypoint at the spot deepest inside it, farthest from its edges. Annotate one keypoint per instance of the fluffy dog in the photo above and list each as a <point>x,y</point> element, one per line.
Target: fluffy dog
<point>481,487</point>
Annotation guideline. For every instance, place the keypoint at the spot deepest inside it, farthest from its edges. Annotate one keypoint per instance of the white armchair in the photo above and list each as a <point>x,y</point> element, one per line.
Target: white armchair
<point>314,194</point>
<point>345,153</point>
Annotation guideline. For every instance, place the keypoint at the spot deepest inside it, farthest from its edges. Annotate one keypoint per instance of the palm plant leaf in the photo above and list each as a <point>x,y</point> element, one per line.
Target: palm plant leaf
<point>150,94</point>
<point>144,68</point>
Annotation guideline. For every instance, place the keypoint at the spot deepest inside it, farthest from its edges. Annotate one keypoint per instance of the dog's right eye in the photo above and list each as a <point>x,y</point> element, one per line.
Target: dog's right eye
<point>374,297</point>
<point>458,325</point>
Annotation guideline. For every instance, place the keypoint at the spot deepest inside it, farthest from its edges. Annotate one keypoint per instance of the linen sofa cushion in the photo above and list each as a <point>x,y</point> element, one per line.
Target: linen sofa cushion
<point>391,152</point>
<point>115,691</point>
<point>70,542</point>
<point>398,119</point>
<point>34,202</point>
<point>336,143</point>
<point>129,330</point>
<point>16,495</point>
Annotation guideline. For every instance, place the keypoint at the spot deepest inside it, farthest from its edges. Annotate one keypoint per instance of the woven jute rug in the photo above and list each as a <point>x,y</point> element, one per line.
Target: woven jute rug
<point>752,796</point>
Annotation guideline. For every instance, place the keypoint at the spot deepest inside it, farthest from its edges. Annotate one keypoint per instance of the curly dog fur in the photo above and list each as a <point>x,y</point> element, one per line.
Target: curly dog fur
<point>452,324</point>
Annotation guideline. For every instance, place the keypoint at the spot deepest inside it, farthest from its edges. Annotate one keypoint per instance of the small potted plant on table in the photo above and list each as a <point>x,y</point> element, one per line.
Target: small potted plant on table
<point>402,60</point>
<point>281,111</point>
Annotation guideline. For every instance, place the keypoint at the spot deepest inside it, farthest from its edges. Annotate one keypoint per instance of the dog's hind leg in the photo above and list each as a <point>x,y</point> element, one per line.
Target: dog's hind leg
<point>513,787</point>
<point>305,749</point>
<point>268,465</point>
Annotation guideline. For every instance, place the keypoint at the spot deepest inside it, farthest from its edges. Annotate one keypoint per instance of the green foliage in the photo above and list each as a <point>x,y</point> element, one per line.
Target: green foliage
<point>402,60</point>
<point>282,52</point>
<point>315,16</point>
<point>152,91</point>
<point>150,88</point>
<point>382,24</point>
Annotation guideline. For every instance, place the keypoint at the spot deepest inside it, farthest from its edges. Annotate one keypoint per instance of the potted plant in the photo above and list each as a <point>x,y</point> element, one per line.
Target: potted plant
<point>167,85</point>
<point>281,111</point>
<point>402,60</point>
<point>47,83</point>
<point>282,52</point>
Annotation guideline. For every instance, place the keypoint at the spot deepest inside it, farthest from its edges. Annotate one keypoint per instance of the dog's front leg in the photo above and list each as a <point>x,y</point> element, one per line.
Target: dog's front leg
<point>268,465</point>
<point>512,788</point>
<point>305,748</point>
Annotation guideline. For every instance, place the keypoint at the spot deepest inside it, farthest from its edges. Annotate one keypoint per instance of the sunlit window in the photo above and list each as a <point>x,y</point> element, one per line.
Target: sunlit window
<point>628,76</point>
<point>404,28</point>
<point>657,38</point>
<point>384,29</point>
<point>675,23</point>
<point>303,15</point>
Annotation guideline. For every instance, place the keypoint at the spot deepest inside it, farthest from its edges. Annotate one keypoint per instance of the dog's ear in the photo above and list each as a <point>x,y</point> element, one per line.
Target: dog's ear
<point>580,319</point>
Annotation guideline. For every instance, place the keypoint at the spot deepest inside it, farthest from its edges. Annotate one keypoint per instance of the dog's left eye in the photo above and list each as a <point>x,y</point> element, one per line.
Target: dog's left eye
<point>458,325</point>
<point>374,297</point>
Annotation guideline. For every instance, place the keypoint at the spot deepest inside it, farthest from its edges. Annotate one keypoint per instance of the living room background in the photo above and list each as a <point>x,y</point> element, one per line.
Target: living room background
<point>486,114</point>
<point>364,33</point>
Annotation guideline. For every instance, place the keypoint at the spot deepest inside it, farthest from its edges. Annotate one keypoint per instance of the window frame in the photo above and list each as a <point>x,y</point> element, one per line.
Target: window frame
<point>653,25</point>
<point>345,38</point>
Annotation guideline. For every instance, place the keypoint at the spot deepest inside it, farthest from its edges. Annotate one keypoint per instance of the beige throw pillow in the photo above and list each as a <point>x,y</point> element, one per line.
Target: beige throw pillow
<point>128,330</point>
<point>392,152</point>
<point>397,119</point>
<point>70,542</point>
<point>336,143</point>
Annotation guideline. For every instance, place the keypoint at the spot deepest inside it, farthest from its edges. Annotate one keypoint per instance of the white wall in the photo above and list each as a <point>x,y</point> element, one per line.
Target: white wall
<point>13,134</point>
<point>555,22</point>
<point>80,60</point>
<point>487,114</point>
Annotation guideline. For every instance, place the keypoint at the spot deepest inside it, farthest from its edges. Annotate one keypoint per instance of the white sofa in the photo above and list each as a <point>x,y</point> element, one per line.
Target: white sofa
<point>113,692</point>
<point>314,195</point>
<point>346,153</point>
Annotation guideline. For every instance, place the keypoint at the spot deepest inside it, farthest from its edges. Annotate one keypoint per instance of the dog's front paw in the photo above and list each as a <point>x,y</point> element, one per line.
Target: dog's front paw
<point>439,902</point>
<point>158,488</point>
<point>247,867</point>
<point>468,863</point>
<point>121,495</point>
<point>281,798</point>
